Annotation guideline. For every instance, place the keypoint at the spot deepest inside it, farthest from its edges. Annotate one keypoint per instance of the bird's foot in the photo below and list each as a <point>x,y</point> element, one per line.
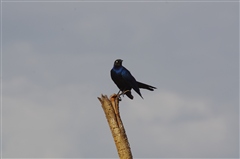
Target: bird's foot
<point>121,94</point>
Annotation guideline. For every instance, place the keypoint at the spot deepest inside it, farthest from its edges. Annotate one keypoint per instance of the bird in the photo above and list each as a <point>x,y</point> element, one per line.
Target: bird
<point>125,80</point>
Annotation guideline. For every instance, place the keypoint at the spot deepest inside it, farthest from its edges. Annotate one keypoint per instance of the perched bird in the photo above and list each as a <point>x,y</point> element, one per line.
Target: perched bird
<point>125,81</point>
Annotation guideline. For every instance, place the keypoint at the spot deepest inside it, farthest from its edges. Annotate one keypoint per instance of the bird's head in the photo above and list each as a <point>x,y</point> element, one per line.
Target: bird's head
<point>118,62</point>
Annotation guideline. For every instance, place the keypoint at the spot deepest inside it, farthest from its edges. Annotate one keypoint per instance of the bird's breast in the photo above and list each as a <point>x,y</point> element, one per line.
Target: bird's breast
<point>117,70</point>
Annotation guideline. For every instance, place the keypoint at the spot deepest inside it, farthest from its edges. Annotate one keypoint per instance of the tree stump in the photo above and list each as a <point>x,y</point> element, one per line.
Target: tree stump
<point>111,110</point>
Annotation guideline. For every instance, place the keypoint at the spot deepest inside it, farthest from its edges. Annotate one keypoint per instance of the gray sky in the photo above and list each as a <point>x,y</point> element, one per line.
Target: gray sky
<point>57,59</point>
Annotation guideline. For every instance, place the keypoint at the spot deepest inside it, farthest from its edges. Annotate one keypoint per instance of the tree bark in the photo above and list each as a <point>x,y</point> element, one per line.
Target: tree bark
<point>111,110</point>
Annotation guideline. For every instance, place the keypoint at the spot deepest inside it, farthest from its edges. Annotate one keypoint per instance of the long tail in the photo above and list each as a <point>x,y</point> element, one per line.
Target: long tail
<point>145,86</point>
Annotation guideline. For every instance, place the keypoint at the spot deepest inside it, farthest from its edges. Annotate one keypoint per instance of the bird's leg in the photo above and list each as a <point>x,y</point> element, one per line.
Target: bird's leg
<point>118,95</point>
<point>124,92</point>
<point>119,91</point>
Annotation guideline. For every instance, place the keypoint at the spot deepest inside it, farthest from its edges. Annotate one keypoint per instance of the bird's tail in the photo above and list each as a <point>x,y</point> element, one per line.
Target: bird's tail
<point>145,86</point>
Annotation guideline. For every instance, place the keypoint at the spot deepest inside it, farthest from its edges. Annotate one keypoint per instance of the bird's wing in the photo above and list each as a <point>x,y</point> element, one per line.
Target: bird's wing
<point>130,80</point>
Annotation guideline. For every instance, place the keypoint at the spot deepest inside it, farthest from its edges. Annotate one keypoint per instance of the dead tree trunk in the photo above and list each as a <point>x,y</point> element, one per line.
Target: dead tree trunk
<point>111,110</point>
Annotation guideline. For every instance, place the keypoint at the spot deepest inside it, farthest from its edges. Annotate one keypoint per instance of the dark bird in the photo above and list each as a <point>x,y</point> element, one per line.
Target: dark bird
<point>125,81</point>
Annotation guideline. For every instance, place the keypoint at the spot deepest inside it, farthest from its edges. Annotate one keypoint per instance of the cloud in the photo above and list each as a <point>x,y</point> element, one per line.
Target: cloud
<point>172,125</point>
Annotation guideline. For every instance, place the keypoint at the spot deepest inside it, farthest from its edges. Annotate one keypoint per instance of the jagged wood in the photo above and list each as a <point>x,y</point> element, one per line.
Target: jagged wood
<point>111,110</point>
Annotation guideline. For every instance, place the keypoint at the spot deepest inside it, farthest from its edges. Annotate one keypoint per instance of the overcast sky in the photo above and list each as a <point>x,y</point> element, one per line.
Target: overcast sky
<point>57,58</point>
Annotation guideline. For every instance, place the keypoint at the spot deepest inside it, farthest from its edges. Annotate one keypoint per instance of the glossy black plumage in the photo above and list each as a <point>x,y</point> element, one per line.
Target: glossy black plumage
<point>125,81</point>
